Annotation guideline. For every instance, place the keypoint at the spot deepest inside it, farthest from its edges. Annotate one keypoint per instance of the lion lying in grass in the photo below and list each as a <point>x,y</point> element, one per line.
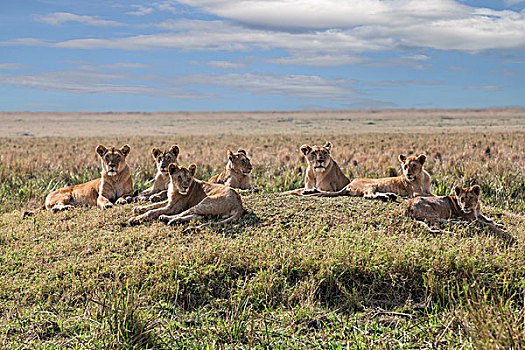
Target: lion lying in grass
<point>465,205</point>
<point>191,199</point>
<point>414,181</point>
<point>236,174</point>
<point>158,191</point>
<point>322,173</point>
<point>114,185</point>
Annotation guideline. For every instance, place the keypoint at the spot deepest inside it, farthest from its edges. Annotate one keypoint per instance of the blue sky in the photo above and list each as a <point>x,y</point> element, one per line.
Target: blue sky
<point>260,55</point>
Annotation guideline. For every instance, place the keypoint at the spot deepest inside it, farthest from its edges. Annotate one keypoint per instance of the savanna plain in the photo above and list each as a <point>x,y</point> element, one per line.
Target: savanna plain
<point>293,272</point>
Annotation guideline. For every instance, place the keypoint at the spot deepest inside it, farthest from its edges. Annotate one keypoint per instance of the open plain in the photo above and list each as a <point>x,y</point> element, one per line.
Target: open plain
<point>293,272</point>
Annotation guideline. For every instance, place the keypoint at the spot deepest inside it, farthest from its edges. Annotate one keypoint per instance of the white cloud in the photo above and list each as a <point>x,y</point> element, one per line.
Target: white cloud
<point>318,61</point>
<point>140,10</point>
<point>225,65</point>
<point>389,83</point>
<point>438,24</point>
<point>93,83</point>
<point>12,66</point>
<point>59,18</point>
<point>299,86</point>
<point>485,88</point>
<point>119,65</point>
<point>512,2</point>
<point>325,14</point>
<point>222,36</point>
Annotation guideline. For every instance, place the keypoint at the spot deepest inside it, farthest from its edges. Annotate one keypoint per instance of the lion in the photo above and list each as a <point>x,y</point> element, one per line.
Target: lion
<point>465,205</point>
<point>191,199</point>
<point>237,172</point>
<point>322,174</point>
<point>158,191</point>
<point>114,185</point>
<point>413,182</point>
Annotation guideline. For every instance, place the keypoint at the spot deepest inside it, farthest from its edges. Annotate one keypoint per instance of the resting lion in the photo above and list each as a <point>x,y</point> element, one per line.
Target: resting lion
<point>236,174</point>
<point>322,173</point>
<point>414,182</point>
<point>191,199</point>
<point>114,186</point>
<point>158,191</point>
<point>465,205</point>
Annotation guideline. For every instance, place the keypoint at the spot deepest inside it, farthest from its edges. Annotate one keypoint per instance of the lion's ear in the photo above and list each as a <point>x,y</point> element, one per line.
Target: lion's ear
<point>422,158</point>
<point>476,189</point>
<point>125,150</point>
<point>241,151</point>
<point>101,150</point>
<point>173,168</point>
<point>306,149</point>
<point>175,150</point>
<point>402,158</point>
<point>192,169</point>
<point>155,152</point>
<point>328,145</point>
<point>230,155</point>
<point>458,189</point>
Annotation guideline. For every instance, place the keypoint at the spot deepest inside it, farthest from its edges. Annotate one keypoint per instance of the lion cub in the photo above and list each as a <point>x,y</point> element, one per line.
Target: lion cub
<point>191,199</point>
<point>158,191</point>
<point>466,205</point>
<point>322,173</point>
<point>414,181</point>
<point>236,174</point>
<point>114,186</point>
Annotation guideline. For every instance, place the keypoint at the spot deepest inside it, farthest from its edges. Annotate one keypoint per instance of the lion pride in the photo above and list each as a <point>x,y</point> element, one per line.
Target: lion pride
<point>191,199</point>
<point>413,182</point>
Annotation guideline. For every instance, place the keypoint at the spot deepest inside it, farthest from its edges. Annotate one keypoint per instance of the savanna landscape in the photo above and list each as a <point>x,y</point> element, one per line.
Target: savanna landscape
<point>292,273</point>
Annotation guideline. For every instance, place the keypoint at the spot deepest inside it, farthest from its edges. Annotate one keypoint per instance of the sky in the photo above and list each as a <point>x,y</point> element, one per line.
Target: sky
<point>204,55</point>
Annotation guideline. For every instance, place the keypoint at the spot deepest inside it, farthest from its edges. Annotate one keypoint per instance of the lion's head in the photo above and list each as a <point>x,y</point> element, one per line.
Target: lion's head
<point>468,198</point>
<point>165,158</point>
<point>318,157</point>
<point>113,158</point>
<point>239,162</point>
<point>412,166</point>
<point>181,177</point>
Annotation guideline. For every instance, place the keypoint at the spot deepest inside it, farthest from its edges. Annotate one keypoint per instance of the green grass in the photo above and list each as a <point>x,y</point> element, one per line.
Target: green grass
<point>293,272</point>
<point>286,275</point>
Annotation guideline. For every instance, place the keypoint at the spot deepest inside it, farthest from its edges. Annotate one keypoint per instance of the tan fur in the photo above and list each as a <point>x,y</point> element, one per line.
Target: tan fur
<point>236,174</point>
<point>114,186</point>
<point>158,191</point>
<point>323,173</point>
<point>465,205</point>
<point>414,181</point>
<point>191,199</point>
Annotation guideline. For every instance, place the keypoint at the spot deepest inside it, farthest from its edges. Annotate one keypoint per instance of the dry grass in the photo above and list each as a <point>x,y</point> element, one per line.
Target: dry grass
<point>78,124</point>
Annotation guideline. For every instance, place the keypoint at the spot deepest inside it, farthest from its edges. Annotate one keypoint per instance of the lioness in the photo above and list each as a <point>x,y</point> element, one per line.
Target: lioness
<point>466,205</point>
<point>414,182</point>
<point>191,199</point>
<point>322,173</point>
<point>158,191</point>
<point>114,186</point>
<point>236,174</point>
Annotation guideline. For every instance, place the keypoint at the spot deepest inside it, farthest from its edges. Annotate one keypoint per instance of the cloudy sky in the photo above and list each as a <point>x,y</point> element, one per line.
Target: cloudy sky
<point>261,55</point>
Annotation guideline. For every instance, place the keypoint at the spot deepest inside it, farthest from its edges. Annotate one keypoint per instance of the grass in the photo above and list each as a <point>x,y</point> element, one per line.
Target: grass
<point>292,273</point>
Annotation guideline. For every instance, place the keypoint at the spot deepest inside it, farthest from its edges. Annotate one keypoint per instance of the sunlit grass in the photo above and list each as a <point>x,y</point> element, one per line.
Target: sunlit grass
<point>291,273</point>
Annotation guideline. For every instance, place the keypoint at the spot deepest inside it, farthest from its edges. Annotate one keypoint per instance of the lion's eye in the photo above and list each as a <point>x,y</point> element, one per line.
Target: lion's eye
<point>180,178</point>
